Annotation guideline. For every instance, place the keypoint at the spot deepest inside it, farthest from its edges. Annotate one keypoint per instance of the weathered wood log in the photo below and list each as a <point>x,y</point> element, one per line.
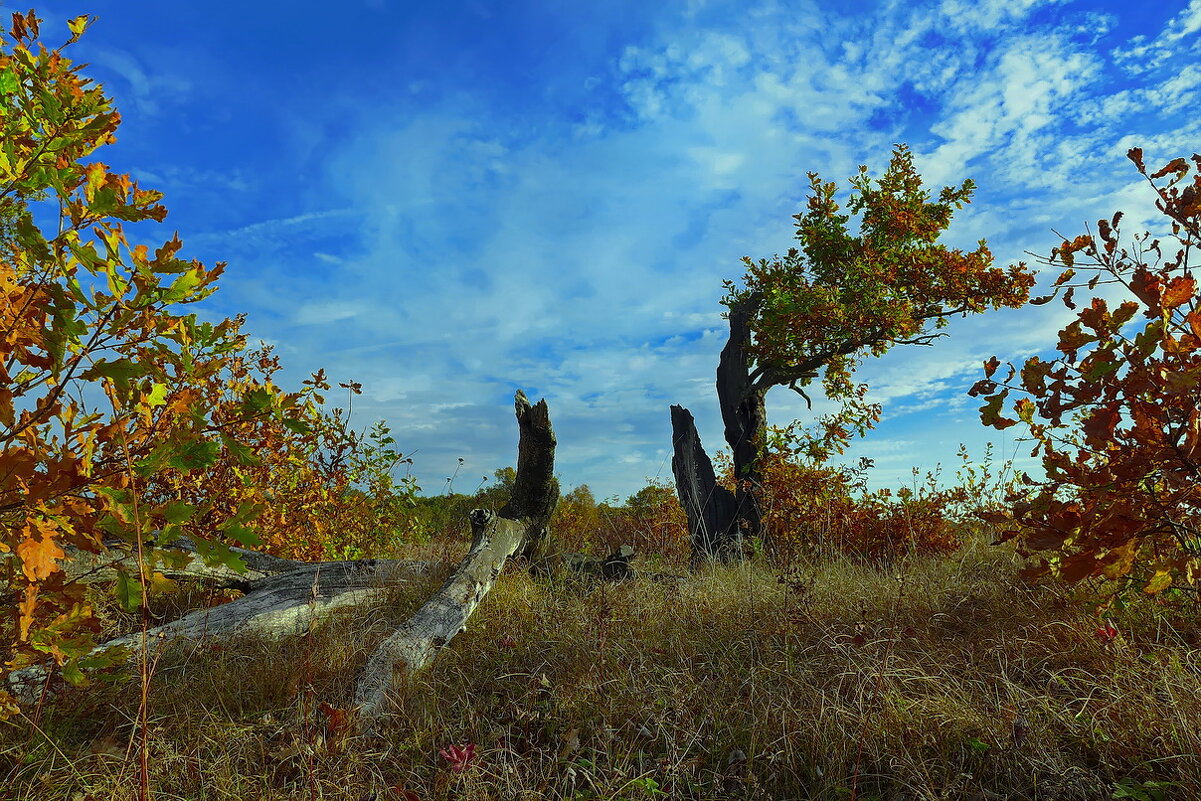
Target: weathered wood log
<point>415,642</point>
<point>711,508</point>
<point>520,527</point>
<point>274,606</point>
<point>285,597</point>
<point>179,560</point>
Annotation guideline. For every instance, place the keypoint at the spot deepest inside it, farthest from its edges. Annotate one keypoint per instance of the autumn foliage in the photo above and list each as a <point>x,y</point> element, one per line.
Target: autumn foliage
<point>840,295</point>
<point>1116,415</point>
<point>316,488</point>
<point>126,422</point>
<point>817,508</point>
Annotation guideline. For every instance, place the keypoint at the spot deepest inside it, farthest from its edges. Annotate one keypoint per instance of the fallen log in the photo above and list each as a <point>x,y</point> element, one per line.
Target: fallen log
<point>179,560</point>
<point>277,605</point>
<point>520,527</point>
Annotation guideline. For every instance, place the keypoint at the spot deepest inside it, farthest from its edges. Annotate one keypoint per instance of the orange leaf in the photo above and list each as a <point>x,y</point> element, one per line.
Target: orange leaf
<point>1179,291</point>
<point>39,556</point>
<point>26,607</point>
<point>1177,165</point>
<point>337,720</point>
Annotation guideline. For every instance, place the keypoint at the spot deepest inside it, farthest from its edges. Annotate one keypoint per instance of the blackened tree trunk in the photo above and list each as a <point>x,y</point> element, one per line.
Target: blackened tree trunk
<point>745,416</point>
<point>711,508</point>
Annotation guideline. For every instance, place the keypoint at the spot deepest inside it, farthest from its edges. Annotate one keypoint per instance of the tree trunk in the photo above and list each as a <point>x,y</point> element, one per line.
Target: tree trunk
<point>745,416</point>
<point>711,508</point>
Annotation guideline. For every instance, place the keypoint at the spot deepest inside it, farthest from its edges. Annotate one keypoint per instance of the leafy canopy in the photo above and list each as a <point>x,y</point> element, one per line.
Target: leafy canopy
<point>838,297</point>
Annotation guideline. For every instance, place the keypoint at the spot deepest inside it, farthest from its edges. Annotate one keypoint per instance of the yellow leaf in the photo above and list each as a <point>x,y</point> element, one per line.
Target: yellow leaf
<point>96,175</point>
<point>77,25</point>
<point>8,706</point>
<point>26,607</point>
<point>1159,582</point>
<point>1123,559</point>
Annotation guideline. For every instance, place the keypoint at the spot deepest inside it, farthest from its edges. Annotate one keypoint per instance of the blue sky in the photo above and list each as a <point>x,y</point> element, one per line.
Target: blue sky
<point>448,201</point>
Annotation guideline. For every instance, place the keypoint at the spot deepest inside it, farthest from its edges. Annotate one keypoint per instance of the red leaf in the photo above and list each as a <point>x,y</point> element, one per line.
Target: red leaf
<point>981,387</point>
<point>337,721</point>
<point>1146,287</point>
<point>1135,154</point>
<point>1107,633</point>
<point>459,757</point>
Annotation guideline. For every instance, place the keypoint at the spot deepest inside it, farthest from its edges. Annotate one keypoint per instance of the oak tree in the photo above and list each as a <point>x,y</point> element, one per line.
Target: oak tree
<point>1116,415</point>
<point>125,422</point>
<point>816,312</point>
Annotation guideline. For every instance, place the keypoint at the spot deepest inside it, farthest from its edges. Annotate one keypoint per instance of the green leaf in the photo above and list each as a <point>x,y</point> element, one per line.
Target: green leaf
<point>156,460</point>
<point>243,453</point>
<point>216,553</point>
<point>112,656</point>
<point>120,371</point>
<point>297,426</point>
<point>128,592</point>
<point>8,82</point>
<point>247,511</point>
<point>990,412</point>
<point>243,535</point>
<point>195,454</point>
<point>258,401</point>
<point>178,512</point>
<point>183,287</point>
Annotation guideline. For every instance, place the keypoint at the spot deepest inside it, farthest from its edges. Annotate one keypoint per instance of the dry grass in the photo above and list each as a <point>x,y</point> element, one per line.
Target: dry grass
<point>941,678</point>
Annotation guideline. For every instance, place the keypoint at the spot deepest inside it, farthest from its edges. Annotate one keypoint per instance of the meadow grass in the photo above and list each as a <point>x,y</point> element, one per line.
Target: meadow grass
<point>934,678</point>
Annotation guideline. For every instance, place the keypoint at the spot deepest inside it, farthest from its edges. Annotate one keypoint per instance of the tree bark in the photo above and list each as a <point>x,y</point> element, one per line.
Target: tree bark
<point>745,416</point>
<point>711,508</point>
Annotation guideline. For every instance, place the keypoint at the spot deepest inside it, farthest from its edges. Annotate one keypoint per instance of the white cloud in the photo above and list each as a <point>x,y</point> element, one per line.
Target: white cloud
<point>328,312</point>
<point>1142,55</point>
